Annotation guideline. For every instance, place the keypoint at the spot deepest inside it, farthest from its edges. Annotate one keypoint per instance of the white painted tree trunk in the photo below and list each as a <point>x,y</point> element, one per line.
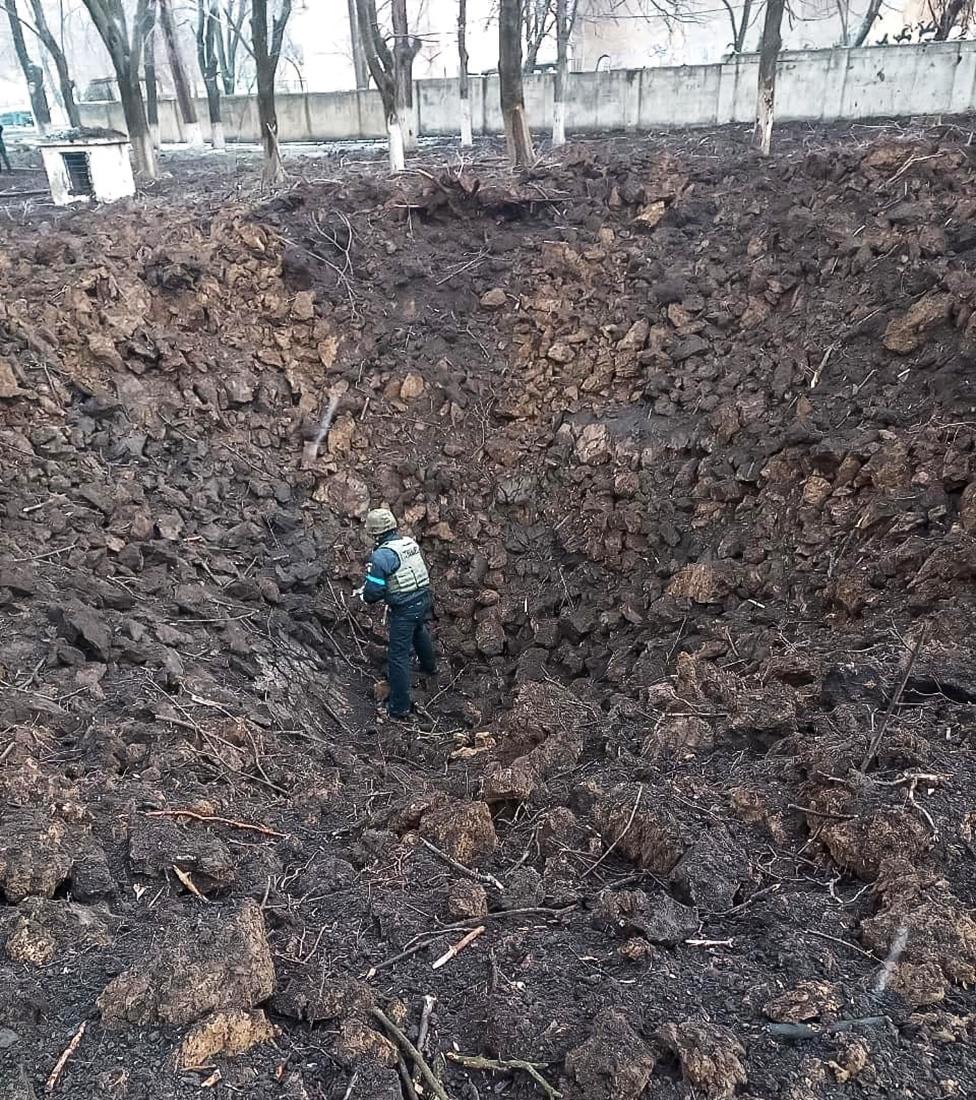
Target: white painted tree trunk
<point>145,154</point>
<point>559,123</point>
<point>409,129</point>
<point>764,123</point>
<point>466,135</point>
<point>194,135</point>
<point>395,130</point>
<point>217,135</point>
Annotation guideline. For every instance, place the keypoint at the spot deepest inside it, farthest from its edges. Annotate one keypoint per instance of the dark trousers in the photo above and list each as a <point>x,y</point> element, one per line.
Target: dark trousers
<point>3,156</point>
<point>408,635</point>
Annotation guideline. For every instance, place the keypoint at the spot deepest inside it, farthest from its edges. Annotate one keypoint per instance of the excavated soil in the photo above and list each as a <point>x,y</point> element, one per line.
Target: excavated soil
<point>689,440</point>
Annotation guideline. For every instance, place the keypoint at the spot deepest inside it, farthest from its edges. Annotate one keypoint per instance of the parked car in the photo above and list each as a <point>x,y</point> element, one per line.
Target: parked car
<point>13,120</point>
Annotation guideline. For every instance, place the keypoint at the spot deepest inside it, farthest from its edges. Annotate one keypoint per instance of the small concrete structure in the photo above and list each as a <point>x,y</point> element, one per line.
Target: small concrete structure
<point>87,163</point>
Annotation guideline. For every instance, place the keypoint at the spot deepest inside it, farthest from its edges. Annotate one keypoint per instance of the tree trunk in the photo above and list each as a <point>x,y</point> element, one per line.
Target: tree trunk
<point>184,95</point>
<point>534,14</point>
<point>381,68</point>
<point>227,75</point>
<point>235,32</point>
<point>208,27</point>
<point>66,84</point>
<point>517,135</point>
<point>134,109</point>
<point>740,38</point>
<point>266,65</point>
<point>463,85</point>
<point>126,56</point>
<point>152,89</point>
<point>870,17</point>
<point>947,20</point>
<point>274,169</point>
<point>562,73</point>
<point>772,40</point>
<point>360,68</point>
<point>405,49</point>
<point>33,73</point>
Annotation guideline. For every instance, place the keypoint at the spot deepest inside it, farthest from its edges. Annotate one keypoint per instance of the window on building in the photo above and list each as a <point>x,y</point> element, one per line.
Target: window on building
<point>78,167</point>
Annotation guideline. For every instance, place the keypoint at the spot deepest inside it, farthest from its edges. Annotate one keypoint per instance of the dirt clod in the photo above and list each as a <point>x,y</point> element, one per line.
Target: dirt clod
<point>710,1055</point>
<point>660,919</point>
<point>614,1063</point>
<point>224,1034</point>
<point>224,964</point>
<point>464,831</point>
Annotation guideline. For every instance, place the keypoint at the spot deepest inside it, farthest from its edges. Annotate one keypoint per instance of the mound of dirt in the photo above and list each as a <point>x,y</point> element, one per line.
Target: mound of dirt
<point>688,439</point>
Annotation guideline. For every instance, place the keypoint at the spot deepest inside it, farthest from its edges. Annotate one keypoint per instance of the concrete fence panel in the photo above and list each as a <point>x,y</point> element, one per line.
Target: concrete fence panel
<point>828,85</point>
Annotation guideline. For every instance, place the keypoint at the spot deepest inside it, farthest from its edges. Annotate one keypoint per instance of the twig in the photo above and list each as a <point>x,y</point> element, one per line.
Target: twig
<point>820,813</point>
<point>505,1065</point>
<point>52,1081</point>
<point>908,163</point>
<point>43,504</point>
<point>913,777</point>
<point>352,1084</point>
<point>423,938</point>
<point>749,900</point>
<point>626,830</point>
<point>876,740</point>
<point>710,943</point>
<point>44,557</point>
<point>188,882</point>
<point>409,1089</point>
<point>921,809</point>
<point>262,829</point>
<point>408,1048</point>
<point>820,369</point>
<point>458,947</point>
<point>467,871</point>
<point>428,1008</point>
<point>836,939</point>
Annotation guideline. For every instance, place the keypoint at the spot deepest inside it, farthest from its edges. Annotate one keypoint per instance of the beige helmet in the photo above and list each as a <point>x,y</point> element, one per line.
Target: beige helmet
<point>379,521</point>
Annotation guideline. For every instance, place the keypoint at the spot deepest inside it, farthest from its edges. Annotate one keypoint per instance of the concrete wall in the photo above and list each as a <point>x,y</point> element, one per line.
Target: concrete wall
<point>812,85</point>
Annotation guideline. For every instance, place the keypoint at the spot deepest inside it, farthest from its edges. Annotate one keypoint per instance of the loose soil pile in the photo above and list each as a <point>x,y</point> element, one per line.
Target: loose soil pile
<point>688,439</point>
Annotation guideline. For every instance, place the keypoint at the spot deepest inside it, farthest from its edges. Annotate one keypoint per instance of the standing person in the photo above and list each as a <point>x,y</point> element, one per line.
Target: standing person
<point>3,153</point>
<point>396,572</point>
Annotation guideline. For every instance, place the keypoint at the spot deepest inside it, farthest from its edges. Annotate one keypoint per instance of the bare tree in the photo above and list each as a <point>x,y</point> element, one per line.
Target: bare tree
<point>33,73</point>
<point>360,68</point>
<point>53,47</point>
<point>184,93</point>
<point>230,37</point>
<point>149,68</point>
<point>772,40</point>
<point>126,54</point>
<point>208,32</point>
<point>405,49</point>
<point>947,14</point>
<point>266,55</point>
<point>739,18</point>
<point>392,71</point>
<point>517,135</point>
<point>565,21</point>
<point>463,85</point>
<point>538,19</point>
<point>870,18</point>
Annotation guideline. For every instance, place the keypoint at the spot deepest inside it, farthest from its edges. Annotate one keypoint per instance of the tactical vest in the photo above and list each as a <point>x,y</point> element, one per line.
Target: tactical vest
<point>412,574</point>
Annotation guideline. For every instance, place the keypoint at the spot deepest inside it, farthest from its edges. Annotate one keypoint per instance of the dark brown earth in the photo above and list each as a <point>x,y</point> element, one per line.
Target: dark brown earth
<point>688,439</point>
